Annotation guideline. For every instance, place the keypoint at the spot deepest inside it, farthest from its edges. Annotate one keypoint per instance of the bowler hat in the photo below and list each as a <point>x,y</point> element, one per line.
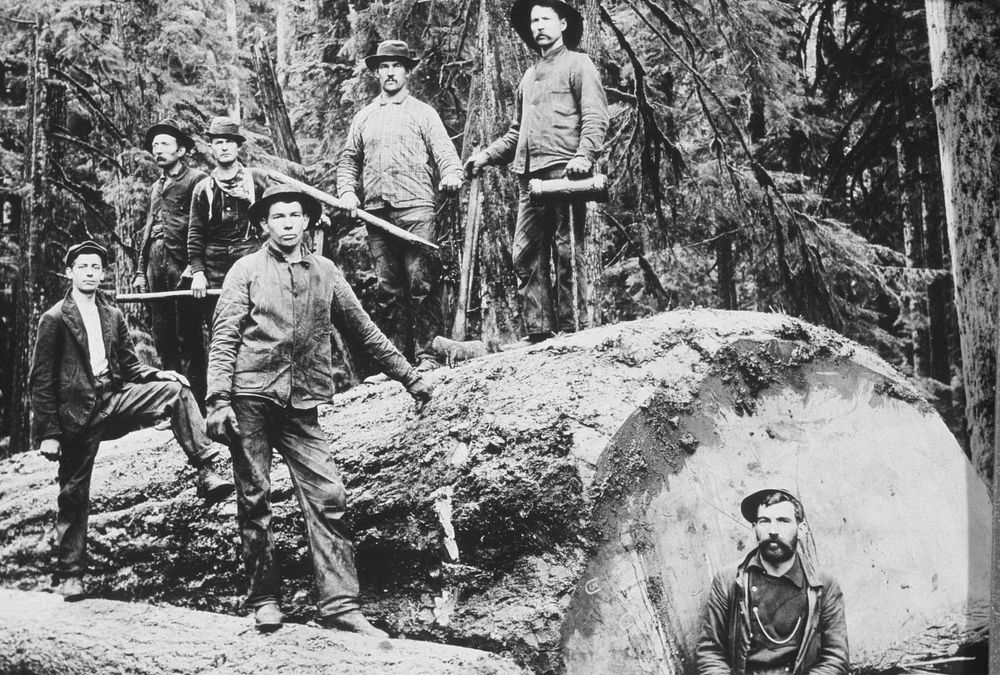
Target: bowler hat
<point>284,193</point>
<point>88,246</point>
<point>751,504</point>
<point>225,127</point>
<point>391,50</point>
<point>520,19</point>
<point>168,126</point>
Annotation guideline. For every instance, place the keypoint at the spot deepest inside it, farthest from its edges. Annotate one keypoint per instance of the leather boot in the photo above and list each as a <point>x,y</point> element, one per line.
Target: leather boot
<point>211,486</point>
<point>353,622</point>
<point>267,617</point>
<point>72,589</point>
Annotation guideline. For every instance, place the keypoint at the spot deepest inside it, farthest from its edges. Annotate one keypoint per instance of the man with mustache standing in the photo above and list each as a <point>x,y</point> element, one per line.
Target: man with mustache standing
<point>776,614</point>
<point>558,131</point>
<point>395,147</point>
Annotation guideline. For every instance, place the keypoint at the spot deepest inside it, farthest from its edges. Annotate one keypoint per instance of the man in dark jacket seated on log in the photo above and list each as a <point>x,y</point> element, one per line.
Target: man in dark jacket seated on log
<point>87,385</point>
<point>776,614</point>
<point>269,367</point>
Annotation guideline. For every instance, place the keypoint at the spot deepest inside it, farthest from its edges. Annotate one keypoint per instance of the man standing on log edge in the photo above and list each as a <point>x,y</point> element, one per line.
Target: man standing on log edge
<point>393,147</point>
<point>776,614</point>
<point>88,385</point>
<point>163,256</point>
<point>558,131</point>
<point>269,368</point>
<point>220,231</point>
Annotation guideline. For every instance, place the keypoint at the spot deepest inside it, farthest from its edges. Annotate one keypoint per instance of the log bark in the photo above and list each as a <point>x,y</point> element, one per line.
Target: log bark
<point>273,103</point>
<point>569,503</point>
<point>39,633</point>
<point>964,39</point>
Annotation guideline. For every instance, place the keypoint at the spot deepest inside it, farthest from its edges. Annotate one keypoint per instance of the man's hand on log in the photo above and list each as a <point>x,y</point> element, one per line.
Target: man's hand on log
<point>139,283</point>
<point>578,167</point>
<point>451,183</point>
<point>221,424</point>
<point>173,376</point>
<point>50,448</point>
<point>349,204</point>
<point>421,390</point>
<point>474,164</point>
<point>199,285</point>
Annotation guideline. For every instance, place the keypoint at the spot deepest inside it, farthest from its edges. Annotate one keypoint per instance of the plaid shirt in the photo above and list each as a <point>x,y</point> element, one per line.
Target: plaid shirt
<point>394,147</point>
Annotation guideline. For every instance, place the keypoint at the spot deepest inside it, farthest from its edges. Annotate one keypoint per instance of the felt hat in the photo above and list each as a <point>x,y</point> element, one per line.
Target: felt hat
<point>284,193</point>
<point>520,19</point>
<point>391,50</point>
<point>88,246</point>
<point>167,126</point>
<point>225,127</point>
<point>751,504</point>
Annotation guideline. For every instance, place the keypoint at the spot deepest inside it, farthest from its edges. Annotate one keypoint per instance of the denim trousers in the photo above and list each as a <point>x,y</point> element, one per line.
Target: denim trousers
<point>266,426</point>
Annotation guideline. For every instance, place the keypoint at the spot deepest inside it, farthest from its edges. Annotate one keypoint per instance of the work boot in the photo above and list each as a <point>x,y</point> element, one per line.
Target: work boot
<point>72,589</point>
<point>267,617</point>
<point>352,622</point>
<point>211,486</point>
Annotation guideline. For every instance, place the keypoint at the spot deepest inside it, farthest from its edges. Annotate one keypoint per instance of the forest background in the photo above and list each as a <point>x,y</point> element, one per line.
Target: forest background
<point>768,155</point>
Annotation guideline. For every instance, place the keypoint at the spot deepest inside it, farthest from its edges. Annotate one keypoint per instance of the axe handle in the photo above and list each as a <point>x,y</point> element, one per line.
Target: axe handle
<point>160,295</point>
<point>327,198</point>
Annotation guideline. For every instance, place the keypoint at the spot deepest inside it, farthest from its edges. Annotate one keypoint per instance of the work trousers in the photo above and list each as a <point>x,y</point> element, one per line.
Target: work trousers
<point>121,410</point>
<point>176,324</point>
<point>409,281</point>
<point>296,435</point>
<point>541,250</point>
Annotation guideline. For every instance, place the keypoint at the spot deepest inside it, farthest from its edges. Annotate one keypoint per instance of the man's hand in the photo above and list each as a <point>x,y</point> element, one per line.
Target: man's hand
<point>172,375</point>
<point>421,391</point>
<point>578,167</point>
<point>50,448</point>
<point>474,164</point>
<point>349,204</point>
<point>451,183</point>
<point>139,283</point>
<point>199,285</point>
<point>221,423</point>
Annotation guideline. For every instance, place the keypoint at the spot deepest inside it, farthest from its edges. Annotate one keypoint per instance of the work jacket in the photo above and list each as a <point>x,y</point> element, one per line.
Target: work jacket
<point>168,215</point>
<point>562,113</point>
<point>64,394</point>
<point>272,331</point>
<point>725,634</point>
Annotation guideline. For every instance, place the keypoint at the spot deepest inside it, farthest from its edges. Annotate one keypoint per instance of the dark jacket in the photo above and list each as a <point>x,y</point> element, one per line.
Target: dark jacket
<point>168,215</point>
<point>272,330</point>
<point>562,113</point>
<point>64,397</point>
<point>725,633</point>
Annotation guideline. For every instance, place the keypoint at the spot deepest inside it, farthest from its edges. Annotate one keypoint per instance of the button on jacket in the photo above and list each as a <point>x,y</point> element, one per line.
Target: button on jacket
<point>725,634</point>
<point>562,113</point>
<point>271,336</point>
<point>167,218</point>
<point>393,147</point>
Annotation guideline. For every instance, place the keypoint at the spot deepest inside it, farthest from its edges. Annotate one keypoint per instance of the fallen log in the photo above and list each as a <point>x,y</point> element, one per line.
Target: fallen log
<point>39,633</point>
<point>568,503</point>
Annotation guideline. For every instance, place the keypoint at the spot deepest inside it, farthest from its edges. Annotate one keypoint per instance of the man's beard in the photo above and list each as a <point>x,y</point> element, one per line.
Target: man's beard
<point>775,551</point>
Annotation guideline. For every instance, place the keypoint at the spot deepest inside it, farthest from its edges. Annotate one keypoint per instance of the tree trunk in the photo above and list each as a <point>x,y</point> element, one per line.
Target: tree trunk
<point>284,31</point>
<point>964,42</point>
<point>233,33</point>
<point>907,170</point>
<point>39,633</point>
<point>273,103</point>
<point>939,289</point>
<point>568,503</point>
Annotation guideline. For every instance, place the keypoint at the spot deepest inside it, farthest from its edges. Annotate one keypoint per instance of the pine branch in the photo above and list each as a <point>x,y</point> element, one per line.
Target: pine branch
<point>63,134</point>
<point>88,98</point>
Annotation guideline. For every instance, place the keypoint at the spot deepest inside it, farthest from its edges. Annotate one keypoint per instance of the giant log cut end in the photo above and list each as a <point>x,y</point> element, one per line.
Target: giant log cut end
<point>568,503</point>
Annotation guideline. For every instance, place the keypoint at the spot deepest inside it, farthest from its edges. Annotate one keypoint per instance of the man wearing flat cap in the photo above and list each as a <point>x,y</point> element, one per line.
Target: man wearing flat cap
<point>558,131</point>
<point>163,255</point>
<point>397,152</point>
<point>269,368</point>
<point>87,385</point>
<point>219,230</point>
<point>776,614</point>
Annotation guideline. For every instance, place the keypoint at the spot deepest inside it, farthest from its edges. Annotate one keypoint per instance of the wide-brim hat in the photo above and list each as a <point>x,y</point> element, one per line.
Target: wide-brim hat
<point>167,126</point>
<point>284,193</point>
<point>391,50</point>
<point>225,127</point>
<point>751,504</point>
<point>520,19</point>
<point>88,246</point>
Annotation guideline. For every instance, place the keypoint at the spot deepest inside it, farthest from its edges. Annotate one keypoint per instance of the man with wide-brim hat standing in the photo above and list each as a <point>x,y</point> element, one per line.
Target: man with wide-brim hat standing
<point>397,156</point>
<point>163,255</point>
<point>270,367</point>
<point>558,131</point>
